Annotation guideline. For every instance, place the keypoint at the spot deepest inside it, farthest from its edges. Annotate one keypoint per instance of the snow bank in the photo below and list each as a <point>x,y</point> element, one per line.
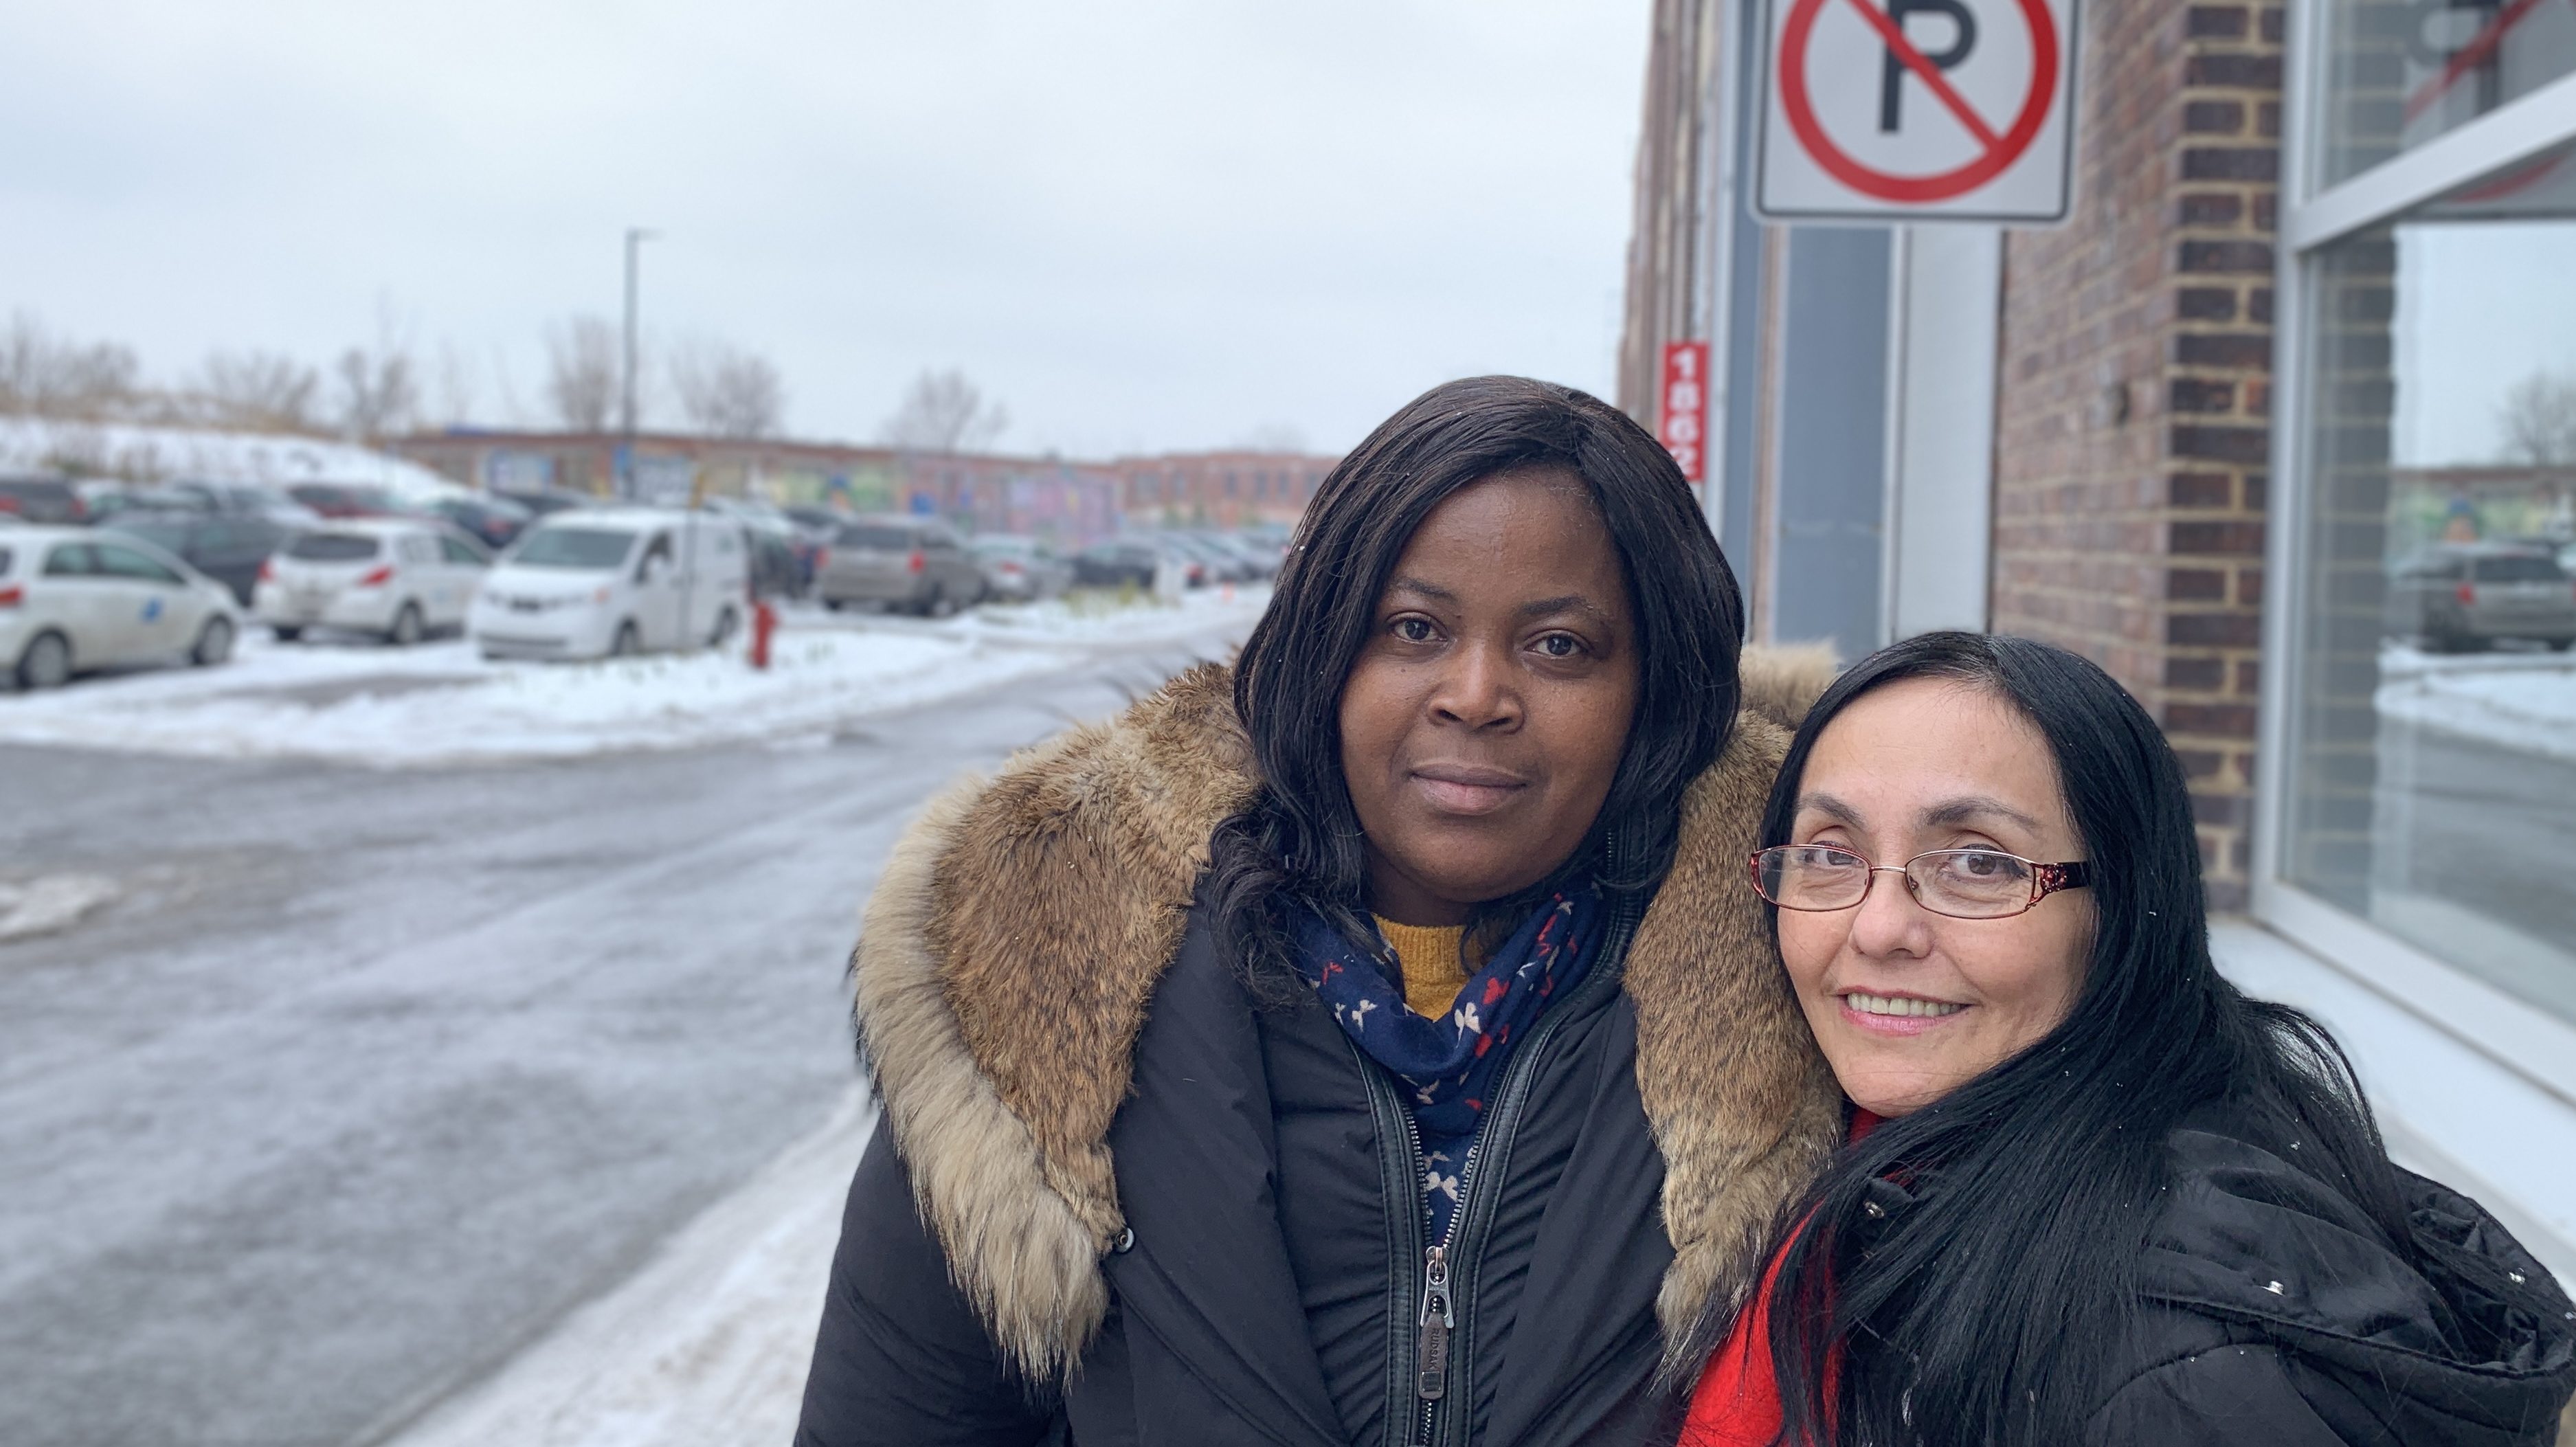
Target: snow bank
<point>441,703</point>
<point>161,453</point>
<point>2525,702</point>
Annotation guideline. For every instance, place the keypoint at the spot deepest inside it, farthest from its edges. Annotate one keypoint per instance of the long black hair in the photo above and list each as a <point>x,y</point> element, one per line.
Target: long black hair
<point>1300,840</point>
<point>1984,1312</point>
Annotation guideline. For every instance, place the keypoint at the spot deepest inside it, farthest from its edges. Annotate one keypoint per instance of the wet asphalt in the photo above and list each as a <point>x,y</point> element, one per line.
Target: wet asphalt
<point>367,1078</point>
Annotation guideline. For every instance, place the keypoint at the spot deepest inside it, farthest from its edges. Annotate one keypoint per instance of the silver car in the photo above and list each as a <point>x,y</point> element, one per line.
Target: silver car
<point>2460,597</point>
<point>73,600</point>
<point>909,563</point>
<point>1021,569</point>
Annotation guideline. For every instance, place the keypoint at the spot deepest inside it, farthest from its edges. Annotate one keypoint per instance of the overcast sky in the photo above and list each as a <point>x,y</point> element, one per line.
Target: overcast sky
<point>1141,224</point>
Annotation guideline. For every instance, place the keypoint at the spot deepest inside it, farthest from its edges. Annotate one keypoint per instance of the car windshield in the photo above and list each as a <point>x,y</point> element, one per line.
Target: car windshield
<point>332,548</point>
<point>884,539</point>
<point>2518,568</point>
<point>4,562</point>
<point>1016,547</point>
<point>596,549</point>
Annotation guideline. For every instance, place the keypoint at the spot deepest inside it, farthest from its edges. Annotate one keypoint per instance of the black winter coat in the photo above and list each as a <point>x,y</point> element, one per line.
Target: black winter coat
<point>1112,1201</point>
<point>2277,1316</point>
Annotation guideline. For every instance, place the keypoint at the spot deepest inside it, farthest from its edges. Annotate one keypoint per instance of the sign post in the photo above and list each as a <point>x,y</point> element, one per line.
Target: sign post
<point>1905,111</point>
<point>1681,419</point>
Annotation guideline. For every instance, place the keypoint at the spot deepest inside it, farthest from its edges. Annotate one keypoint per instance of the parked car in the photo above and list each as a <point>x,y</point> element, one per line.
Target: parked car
<point>347,500</point>
<point>911,563</point>
<point>73,600</point>
<point>228,499</point>
<point>42,500</point>
<point>401,578</point>
<point>1023,570</point>
<point>613,581</point>
<point>495,522</point>
<point>1261,560</point>
<point>2460,597</point>
<point>1120,562</point>
<point>229,549</point>
<point>547,501</point>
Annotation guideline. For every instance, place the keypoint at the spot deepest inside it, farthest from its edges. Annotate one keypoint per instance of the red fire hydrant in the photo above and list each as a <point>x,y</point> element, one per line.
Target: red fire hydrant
<point>764,621</point>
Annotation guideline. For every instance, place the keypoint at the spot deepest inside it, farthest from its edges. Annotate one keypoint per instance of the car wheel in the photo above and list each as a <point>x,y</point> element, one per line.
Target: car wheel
<point>406,630</point>
<point>214,645</point>
<point>940,604</point>
<point>724,630</point>
<point>47,663</point>
<point>627,643</point>
<point>833,605</point>
<point>285,634</point>
<point>2561,645</point>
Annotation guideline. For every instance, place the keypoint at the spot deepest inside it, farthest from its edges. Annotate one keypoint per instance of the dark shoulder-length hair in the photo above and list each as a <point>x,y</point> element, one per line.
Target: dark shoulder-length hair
<point>1985,1312</point>
<point>1300,841</point>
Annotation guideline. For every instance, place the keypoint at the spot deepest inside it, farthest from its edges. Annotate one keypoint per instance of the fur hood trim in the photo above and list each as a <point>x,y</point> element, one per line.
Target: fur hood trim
<point>1066,883</point>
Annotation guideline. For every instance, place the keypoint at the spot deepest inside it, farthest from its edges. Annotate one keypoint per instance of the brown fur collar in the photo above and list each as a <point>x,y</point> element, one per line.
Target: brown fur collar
<point>1060,889</point>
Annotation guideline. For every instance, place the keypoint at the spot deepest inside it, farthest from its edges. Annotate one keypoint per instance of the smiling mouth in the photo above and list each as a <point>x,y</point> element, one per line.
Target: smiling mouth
<point>1898,1006</point>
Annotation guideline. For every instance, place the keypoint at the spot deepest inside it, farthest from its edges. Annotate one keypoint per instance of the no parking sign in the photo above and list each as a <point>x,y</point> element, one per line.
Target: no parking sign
<point>1918,110</point>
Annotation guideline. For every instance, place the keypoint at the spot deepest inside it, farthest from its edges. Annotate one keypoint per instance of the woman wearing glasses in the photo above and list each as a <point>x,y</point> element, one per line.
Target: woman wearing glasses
<point>1373,1045</point>
<point>2092,1193</point>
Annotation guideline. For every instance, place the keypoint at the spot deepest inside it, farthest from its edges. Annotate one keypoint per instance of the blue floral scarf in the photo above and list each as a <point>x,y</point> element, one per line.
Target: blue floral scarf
<point>1446,1066</point>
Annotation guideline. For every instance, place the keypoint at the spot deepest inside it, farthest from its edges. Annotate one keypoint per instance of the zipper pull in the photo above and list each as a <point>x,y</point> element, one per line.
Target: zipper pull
<point>1431,1344</point>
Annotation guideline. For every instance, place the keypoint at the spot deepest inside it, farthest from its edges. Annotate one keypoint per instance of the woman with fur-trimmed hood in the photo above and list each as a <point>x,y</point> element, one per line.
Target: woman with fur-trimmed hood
<point>1376,1044</point>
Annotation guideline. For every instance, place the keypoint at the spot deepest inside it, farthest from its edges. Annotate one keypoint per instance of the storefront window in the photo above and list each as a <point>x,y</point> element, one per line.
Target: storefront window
<point>2433,778</point>
<point>2401,72</point>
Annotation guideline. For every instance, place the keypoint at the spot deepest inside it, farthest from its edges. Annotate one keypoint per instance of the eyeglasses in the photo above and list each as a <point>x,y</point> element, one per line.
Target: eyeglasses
<point>1960,883</point>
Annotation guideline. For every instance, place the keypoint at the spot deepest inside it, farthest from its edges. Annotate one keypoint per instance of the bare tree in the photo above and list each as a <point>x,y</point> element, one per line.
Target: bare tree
<point>50,377</point>
<point>2539,416</point>
<point>582,373</point>
<point>945,413</point>
<point>379,391</point>
<point>269,391</point>
<point>728,392</point>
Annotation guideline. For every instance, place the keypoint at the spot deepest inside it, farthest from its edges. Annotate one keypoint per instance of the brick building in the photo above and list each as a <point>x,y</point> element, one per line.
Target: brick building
<point>1219,489</point>
<point>2309,317</point>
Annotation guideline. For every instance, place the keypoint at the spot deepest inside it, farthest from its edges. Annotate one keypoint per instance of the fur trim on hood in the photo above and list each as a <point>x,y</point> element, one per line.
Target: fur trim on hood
<point>1065,883</point>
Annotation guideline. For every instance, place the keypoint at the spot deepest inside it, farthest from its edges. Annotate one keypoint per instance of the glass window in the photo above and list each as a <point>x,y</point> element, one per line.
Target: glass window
<point>457,550</point>
<point>2401,72</point>
<point>591,549</point>
<point>2432,774</point>
<point>881,539</point>
<point>72,560</point>
<point>332,548</point>
<point>119,562</point>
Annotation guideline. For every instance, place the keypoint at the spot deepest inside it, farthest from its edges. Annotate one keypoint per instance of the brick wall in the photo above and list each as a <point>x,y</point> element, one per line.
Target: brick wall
<point>2134,403</point>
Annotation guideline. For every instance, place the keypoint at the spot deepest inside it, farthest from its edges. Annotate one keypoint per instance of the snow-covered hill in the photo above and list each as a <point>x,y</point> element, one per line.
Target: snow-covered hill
<point>119,449</point>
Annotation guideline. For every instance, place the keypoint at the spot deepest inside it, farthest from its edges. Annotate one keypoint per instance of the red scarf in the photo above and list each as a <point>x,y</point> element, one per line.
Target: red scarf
<point>1737,1401</point>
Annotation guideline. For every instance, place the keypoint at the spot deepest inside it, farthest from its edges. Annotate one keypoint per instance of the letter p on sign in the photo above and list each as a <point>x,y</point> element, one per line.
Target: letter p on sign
<point>1904,111</point>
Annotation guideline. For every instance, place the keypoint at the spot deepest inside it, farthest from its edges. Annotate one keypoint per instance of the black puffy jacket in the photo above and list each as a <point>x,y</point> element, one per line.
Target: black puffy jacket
<point>2277,1316</point>
<point>1112,1202</point>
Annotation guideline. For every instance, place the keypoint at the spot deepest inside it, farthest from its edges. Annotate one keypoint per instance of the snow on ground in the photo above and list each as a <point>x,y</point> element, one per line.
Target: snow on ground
<point>360,702</point>
<point>207,455</point>
<point>2525,702</point>
<point>706,1346</point>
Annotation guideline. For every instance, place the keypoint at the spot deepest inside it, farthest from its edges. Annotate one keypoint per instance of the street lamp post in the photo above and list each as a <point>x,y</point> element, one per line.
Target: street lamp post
<point>636,236</point>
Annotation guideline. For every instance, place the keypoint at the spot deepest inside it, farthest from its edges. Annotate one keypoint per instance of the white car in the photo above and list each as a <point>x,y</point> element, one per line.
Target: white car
<point>395,577</point>
<point>600,582</point>
<point>73,600</point>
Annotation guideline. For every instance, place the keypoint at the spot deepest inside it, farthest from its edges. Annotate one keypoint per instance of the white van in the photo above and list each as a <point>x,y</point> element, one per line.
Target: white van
<point>603,582</point>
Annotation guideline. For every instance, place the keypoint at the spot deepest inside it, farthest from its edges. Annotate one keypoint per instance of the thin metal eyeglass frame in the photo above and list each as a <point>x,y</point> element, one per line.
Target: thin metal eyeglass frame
<point>2045,879</point>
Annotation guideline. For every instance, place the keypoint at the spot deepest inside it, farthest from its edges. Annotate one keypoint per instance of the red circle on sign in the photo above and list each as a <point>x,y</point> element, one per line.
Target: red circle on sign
<point>1940,186</point>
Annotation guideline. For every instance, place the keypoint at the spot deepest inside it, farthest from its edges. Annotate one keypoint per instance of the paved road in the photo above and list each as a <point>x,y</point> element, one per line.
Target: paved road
<point>370,1077</point>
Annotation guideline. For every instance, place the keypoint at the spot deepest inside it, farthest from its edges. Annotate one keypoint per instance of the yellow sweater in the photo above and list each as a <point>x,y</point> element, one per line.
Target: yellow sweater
<point>1433,974</point>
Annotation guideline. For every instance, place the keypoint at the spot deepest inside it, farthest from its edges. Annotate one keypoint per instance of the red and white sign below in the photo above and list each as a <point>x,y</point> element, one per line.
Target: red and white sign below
<point>1918,110</point>
<point>1682,407</point>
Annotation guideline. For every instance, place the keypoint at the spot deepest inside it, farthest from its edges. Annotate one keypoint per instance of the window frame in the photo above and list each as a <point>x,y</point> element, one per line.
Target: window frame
<point>2524,1037</point>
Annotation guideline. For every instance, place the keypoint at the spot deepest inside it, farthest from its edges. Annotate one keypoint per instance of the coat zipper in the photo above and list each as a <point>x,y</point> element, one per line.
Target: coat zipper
<point>1436,1319</point>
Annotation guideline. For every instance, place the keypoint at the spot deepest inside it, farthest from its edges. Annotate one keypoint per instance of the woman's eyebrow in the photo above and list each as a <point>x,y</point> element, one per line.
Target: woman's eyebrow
<point>1832,808</point>
<point>1570,603</point>
<point>1432,591</point>
<point>1976,806</point>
